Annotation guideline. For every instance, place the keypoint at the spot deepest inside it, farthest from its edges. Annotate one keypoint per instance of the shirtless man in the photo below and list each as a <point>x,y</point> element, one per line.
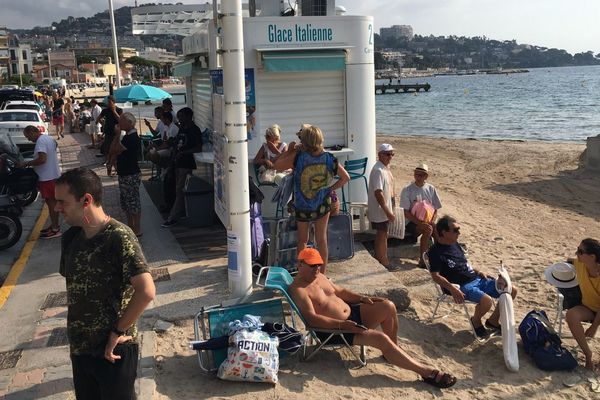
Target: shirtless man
<point>328,306</point>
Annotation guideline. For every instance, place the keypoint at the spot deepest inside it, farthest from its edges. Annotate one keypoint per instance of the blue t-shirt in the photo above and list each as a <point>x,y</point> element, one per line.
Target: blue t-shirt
<point>451,263</point>
<point>311,179</point>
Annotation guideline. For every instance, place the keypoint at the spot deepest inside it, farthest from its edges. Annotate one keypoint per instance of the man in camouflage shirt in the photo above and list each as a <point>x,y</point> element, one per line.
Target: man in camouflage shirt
<point>108,288</point>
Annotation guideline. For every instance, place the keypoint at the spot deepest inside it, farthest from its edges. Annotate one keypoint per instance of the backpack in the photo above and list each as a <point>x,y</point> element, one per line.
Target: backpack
<point>542,343</point>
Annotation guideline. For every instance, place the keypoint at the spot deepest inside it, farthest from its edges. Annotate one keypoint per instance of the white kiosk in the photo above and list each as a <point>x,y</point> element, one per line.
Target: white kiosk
<point>316,68</point>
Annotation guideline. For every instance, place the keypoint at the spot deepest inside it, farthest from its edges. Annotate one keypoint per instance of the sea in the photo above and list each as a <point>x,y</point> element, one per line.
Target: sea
<point>550,104</point>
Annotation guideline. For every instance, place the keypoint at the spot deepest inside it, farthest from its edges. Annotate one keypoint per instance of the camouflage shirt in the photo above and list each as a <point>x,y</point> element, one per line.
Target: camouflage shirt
<point>98,273</point>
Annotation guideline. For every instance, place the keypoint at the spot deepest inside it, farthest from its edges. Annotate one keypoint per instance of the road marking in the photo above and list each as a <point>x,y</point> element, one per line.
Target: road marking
<point>19,265</point>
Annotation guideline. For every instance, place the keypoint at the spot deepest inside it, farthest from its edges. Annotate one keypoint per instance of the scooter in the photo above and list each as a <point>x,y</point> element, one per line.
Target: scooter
<point>10,224</point>
<point>18,183</point>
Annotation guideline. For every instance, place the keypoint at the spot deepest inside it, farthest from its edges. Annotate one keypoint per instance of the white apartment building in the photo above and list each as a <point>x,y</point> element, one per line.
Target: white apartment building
<point>159,55</point>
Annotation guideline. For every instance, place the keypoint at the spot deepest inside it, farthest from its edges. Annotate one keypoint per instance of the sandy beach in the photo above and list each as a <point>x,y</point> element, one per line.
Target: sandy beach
<point>527,204</point>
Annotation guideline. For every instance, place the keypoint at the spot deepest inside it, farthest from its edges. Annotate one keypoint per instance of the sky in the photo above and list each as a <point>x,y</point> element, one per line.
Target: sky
<point>571,25</point>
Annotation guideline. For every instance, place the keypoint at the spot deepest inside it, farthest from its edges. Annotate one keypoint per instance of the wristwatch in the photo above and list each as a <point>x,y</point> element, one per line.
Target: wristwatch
<point>117,331</point>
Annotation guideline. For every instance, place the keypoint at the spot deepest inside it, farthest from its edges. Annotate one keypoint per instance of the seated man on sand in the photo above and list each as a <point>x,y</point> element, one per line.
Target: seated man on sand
<point>421,203</point>
<point>328,306</point>
<point>451,270</point>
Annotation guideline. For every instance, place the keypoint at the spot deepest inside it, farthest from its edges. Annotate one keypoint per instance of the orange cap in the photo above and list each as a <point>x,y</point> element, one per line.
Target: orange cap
<point>310,256</point>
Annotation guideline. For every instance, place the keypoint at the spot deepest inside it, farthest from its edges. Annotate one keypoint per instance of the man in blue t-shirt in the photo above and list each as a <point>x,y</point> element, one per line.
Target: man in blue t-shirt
<point>451,270</point>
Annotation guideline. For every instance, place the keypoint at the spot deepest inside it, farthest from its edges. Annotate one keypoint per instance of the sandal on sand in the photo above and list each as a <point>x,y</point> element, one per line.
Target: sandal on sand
<point>440,380</point>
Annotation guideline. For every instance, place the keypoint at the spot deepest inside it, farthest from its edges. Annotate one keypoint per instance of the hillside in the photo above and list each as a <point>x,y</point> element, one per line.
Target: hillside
<point>473,53</point>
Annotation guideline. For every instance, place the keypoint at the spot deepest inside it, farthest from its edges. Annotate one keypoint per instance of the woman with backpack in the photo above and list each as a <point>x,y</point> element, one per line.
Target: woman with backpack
<point>587,267</point>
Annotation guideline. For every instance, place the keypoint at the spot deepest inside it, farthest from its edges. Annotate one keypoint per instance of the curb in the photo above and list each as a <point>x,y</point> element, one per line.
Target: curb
<point>145,385</point>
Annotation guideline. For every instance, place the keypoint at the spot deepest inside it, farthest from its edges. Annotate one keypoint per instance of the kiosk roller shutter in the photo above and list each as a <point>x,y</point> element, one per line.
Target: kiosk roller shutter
<point>292,98</point>
<point>201,98</point>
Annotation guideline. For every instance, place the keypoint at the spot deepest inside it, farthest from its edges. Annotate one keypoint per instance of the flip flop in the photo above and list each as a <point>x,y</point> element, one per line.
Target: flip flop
<point>572,381</point>
<point>440,380</point>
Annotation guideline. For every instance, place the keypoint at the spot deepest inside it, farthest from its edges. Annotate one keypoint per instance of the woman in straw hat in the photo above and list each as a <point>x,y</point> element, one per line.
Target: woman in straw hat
<point>587,267</point>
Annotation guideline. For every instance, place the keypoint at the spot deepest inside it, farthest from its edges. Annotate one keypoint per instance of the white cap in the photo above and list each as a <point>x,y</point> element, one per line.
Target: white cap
<point>385,147</point>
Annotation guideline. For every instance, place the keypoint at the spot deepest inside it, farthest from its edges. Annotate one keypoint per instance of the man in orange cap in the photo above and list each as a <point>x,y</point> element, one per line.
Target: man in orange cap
<point>328,306</point>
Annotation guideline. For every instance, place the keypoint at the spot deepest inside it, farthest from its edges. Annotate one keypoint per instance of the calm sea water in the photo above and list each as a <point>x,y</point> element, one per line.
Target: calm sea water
<point>557,104</point>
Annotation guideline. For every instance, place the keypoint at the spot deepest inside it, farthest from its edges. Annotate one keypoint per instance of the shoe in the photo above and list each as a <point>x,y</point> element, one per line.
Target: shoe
<point>493,329</point>
<point>480,331</point>
<point>62,135</point>
<point>168,223</point>
<point>45,230</point>
<point>393,267</point>
<point>51,234</point>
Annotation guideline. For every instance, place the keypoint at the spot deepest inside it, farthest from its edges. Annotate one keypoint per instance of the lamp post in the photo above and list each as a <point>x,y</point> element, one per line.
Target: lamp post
<point>114,40</point>
<point>94,70</point>
<point>49,65</point>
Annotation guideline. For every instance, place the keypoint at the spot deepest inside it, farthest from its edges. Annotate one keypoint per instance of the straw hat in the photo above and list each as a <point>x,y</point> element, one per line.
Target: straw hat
<point>561,275</point>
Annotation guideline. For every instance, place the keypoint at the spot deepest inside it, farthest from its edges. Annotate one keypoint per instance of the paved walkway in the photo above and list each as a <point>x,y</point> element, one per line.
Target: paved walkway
<point>34,356</point>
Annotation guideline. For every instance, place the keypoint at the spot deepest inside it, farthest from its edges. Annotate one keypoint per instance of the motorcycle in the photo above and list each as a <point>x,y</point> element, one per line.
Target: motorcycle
<point>10,224</point>
<point>18,183</point>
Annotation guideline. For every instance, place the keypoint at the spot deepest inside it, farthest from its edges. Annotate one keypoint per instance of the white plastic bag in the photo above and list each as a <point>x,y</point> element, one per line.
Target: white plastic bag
<point>252,357</point>
<point>396,227</point>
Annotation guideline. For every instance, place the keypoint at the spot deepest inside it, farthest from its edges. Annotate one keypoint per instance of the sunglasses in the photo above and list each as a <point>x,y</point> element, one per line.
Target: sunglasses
<point>456,230</point>
<point>312,265</point>
<point>389,153</point>
<point>580,251</point>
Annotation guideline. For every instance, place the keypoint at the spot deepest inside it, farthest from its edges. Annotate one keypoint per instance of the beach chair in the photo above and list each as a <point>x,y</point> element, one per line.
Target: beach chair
<point>213,321</point>
<point>277,278</point>
<point>442,296</point>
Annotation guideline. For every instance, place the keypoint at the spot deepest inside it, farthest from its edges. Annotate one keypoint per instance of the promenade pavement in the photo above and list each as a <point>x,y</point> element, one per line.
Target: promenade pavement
<point>34,355</point>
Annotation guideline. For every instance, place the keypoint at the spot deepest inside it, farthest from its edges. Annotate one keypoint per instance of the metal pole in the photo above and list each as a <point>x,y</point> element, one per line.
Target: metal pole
<point>49,65</point>
<point>240,278</point>
<point>114,40</point>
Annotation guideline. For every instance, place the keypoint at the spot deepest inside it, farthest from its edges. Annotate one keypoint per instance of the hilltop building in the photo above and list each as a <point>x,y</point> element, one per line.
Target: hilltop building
<point>4,54</point>
<point>397,32</point>
<point>159,55</point>
<point>20,57</point>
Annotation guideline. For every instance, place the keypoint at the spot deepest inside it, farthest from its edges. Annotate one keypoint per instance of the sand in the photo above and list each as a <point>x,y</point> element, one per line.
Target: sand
<point>524,203</point>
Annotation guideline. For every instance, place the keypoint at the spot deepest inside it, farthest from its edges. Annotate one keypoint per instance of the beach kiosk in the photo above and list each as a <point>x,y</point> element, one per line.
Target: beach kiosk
<point>314,67</point>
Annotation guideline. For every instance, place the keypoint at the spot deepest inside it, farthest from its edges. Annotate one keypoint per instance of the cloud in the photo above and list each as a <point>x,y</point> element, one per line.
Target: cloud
<point>30,13</point>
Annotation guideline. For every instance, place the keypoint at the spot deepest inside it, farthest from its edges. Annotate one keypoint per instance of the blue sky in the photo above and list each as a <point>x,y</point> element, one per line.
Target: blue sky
<point>567,24</point>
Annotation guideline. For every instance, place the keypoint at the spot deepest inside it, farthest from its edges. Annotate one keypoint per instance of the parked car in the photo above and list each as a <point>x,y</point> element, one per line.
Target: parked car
<point>24,105</point>
<point>15,94</point>
<point>14,121</point>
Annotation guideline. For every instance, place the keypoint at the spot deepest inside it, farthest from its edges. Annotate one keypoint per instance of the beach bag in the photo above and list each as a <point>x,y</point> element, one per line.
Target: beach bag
<point>396,227</point>
<point>251,357</point>
<point>335,204</point>
<point>423,210</point>
<point>542,343</point>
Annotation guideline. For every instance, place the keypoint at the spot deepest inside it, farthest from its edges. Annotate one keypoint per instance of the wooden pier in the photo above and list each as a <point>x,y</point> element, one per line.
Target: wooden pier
<point>412,88</point>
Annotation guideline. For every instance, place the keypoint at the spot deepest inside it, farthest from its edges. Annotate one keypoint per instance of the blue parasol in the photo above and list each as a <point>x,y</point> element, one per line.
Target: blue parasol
<point>139,93</point>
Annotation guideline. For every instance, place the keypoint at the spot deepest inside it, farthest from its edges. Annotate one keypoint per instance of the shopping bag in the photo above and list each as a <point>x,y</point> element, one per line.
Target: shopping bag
<point>252,357</point>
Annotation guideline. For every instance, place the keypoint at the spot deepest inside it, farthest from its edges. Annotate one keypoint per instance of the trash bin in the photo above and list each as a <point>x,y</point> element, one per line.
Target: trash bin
<point>199,202</point>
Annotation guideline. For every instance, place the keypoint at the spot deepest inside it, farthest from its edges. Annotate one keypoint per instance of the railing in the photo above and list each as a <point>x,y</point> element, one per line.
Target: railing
<point>3,53</point>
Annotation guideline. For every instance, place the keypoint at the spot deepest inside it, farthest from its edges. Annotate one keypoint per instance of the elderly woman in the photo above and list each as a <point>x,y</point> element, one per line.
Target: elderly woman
<point>313,173</point>
<point>128,171</point>
<point>268,153</point>
<point>587,267</point>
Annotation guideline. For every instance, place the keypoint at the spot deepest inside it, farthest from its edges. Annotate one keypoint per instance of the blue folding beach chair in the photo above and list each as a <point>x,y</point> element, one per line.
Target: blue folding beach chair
<point>277,278</point>
<point>213,322</point>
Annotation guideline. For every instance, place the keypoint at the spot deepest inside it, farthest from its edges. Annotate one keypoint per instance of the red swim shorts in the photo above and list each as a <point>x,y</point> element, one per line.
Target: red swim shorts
<point>46,189</point>
<point>58,120</point>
